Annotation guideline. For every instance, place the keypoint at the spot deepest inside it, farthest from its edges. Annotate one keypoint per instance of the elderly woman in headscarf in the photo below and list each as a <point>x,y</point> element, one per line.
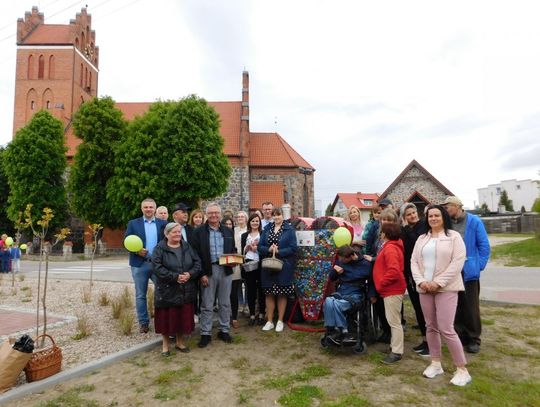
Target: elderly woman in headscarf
<point>176,266</point>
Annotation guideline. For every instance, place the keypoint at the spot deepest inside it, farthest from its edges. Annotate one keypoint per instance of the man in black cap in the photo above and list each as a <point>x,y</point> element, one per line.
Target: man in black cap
<point>386,203</point>
<point>181,216</point>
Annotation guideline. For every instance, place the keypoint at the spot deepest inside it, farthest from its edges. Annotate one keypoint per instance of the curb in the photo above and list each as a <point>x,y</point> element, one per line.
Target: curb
<point>39,386</point>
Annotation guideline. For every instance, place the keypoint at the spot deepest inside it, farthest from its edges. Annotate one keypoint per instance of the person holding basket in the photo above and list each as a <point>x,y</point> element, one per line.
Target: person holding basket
<point>278,241</point>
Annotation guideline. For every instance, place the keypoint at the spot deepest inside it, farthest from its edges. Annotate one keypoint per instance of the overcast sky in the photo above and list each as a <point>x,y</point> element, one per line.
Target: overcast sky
<point>358,88</point>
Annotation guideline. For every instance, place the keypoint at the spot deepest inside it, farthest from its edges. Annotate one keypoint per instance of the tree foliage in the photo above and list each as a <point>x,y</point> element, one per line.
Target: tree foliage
<point>536,205</point>
<point>35,163</point>
<point>174,152</point>
<point>484,208</point>
<point>100,126</point>
<point>504,200</point>
<point>6,225</point>
<point>328,211</point>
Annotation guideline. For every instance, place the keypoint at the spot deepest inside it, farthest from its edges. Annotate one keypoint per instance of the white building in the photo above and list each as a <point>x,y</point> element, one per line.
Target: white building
<point>522,193</point>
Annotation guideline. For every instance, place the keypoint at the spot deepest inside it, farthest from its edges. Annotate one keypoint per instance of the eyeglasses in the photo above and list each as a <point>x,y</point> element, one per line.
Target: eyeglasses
<point>213,213</point>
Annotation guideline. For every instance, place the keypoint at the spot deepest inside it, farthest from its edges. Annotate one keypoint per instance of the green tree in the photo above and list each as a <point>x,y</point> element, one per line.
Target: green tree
<point>35,164</point>
<point>504,200</point>
<point>174,152</point>
<point>6,225</point>
<point>484,208</point>
<point>536,205</point>
<point>100,126</point>
<point>328,210</point>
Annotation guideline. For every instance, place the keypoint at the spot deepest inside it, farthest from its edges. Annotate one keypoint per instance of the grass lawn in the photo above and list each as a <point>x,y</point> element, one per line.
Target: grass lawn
<point>512,234</point>
<point>522,253</point>
<point>291,369</point>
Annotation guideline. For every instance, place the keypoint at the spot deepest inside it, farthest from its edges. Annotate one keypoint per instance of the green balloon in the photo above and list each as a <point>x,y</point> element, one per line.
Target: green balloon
<point>9,241</point>
<point>342,236</point>
<point>133,243</point>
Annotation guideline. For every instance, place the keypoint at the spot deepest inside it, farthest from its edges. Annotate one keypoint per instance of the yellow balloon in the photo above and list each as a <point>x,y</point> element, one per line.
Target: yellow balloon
<point>9,241</point>
<point>342,236</point>
<point>133,243</point>
<point>24,246</point>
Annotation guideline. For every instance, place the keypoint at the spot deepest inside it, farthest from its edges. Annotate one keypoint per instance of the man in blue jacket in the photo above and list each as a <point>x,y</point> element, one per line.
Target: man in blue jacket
<point>150,230</point>
<point>467,323</point>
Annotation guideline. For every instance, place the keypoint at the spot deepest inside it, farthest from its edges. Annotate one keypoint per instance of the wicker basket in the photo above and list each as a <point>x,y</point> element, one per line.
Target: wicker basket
<point>272,264</point>
<point>44,362</point>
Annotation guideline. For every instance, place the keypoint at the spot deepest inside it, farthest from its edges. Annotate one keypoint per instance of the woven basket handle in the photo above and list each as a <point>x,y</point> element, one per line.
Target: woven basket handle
<point>45,335</point>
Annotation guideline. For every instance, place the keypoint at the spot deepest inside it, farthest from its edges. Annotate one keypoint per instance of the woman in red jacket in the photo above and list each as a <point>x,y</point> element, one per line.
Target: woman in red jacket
<point>390,284</point>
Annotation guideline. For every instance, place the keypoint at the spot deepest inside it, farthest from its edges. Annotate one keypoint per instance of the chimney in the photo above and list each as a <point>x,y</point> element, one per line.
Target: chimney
<point>244,117</point>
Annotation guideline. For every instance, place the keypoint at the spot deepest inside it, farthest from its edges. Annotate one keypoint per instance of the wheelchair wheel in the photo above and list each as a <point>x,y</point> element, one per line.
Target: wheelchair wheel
<point>373,328</point>
<point>360,349</point>
<point>324,342</point>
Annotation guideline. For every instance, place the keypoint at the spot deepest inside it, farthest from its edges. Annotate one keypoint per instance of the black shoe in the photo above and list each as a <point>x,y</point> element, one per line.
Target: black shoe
<point>225,337</point>
<point>261,321</point>
<point>185,349</point>
<point>144,329</point>
<point>205,340</point>
<point>348,340</point>
<point>252,321</point>
<point>424,352</point>
<point>421,347</point>
<point>392,358</point>
<point>384,338</point>
<point>335,338</point>
<point>472,348</point>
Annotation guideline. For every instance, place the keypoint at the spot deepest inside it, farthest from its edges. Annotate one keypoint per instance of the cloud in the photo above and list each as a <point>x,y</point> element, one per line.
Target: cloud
<point>456,126</point>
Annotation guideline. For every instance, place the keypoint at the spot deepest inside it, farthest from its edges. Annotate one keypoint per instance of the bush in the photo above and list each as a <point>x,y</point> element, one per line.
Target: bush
<point>126,323</point>
<point>117,306</point>
<point>104,299</point>
<point>83,327</point>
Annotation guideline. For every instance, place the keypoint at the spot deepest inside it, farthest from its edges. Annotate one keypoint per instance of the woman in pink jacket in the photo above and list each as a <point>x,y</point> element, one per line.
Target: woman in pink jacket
<point>436,265</point>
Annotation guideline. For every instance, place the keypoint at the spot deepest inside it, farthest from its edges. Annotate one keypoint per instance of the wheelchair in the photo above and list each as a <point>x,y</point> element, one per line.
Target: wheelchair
<point>363,327</point>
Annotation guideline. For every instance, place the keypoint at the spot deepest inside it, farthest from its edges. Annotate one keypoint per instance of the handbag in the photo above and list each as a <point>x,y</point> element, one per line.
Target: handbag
<point>250,266</point>
<point>272,264</point>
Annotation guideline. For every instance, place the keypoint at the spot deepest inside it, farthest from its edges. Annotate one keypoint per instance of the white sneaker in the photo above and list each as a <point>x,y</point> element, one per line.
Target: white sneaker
<point>461,378</point>
<point>433,370</point>
<point>196,319</point>
<point>268,326</point>
<point>279,326</point>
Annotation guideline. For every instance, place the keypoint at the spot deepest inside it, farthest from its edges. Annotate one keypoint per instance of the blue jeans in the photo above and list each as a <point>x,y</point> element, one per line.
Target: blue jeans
<point>334,311</point>
<point>141,275</point>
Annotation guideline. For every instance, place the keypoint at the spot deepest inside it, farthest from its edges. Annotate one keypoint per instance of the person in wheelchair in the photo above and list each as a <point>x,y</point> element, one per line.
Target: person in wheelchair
<point>352,274</point>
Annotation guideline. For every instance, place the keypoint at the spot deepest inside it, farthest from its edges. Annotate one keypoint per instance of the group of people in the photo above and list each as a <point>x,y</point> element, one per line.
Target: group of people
<point>437,260</point>
<point>182,258</point>
<point>10,256</point>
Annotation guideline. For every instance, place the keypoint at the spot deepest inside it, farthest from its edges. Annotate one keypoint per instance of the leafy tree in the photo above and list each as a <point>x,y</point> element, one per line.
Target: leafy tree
<point>506,201</point>
<point>174,152</point>
<point>328,210</point>
<point>536,205</point>
<point>35,163</point>
<point>100,125</point>
<point>6,225</point>
<point>484,208</point>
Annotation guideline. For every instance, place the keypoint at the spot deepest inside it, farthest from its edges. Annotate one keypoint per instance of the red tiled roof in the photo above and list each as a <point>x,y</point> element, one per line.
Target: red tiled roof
<point>49,34</point>
<point>260,192</point>
<point>229,114</point>
<point>356,198</point>
<point>271,150</point>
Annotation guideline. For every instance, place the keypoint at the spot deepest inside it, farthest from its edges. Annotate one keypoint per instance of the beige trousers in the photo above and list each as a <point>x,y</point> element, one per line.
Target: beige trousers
<point>392,310</point>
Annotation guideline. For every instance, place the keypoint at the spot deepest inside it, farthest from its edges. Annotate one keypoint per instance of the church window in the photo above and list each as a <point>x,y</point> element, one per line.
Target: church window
<point>89,80</point>
<point>76,42</point>
<point>31,67</point>
<point>51,67</point>
<point>48,104</point>
<point>85,77</point>
<point>41,67</point>
<point>80,82</point>
<point>32,105</point>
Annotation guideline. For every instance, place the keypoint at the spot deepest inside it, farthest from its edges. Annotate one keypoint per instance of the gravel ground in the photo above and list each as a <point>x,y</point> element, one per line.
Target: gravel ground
<point>65,298</point>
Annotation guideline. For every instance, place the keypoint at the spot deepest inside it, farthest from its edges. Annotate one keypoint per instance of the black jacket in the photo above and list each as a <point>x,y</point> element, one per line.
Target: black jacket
<point>167,267</point>
<point>189,233</point>
<point>201,244</point>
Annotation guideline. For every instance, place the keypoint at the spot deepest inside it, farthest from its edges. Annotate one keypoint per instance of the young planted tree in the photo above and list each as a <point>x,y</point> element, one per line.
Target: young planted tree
<point>504,200</point>
<point>40,229</point>
<point>35,163</point>
<point>95,228</point>
<point>173,153</point>
<point>100,125</point>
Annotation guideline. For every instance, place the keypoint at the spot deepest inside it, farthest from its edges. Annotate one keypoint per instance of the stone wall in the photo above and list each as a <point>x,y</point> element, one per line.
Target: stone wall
<point>294,186</point>
<point>416,181</point>
<point>237,196</point>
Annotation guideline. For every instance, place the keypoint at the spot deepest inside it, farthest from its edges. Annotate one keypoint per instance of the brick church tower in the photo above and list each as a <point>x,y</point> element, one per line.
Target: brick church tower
<point>57,69</point>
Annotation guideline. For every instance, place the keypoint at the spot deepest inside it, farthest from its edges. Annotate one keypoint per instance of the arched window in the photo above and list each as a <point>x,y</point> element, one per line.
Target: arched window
<point>77,42</point>
<point>51,67</point>
<point>90,81</point>
<point>47,99</point>
<point>80,81</point>
<point>85,77</point>
<point>41,67</point>
<point>31,68</point>
<point>31,103</point>
<point>48,104</point>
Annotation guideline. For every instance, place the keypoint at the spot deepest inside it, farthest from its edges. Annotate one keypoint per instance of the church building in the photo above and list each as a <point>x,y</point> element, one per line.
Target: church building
<point>58,70</point>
